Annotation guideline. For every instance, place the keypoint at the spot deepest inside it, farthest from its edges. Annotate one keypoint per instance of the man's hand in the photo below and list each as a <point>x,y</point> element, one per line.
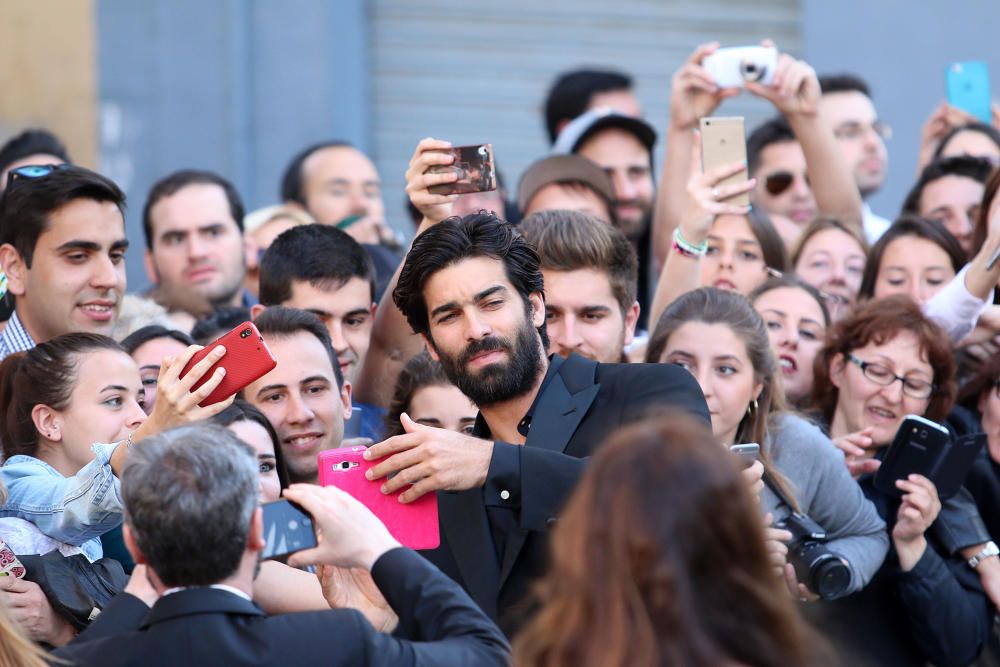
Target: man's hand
<point>857,452</point>
<point>938,124</point>
<point>347,532</point>
<point>355,589</point>
<point>431,459</point>
<point>28,607</point>
<point>795,90</point>
<point>693,92</point>
<point>430,153</point>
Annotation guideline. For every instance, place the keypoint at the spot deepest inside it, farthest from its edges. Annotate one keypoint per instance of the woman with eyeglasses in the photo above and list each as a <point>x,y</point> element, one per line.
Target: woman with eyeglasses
<point>830,255</point>
<point>881,363</point>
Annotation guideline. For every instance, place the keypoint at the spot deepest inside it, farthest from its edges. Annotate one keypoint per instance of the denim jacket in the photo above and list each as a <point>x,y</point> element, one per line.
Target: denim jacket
<point>76,510</point>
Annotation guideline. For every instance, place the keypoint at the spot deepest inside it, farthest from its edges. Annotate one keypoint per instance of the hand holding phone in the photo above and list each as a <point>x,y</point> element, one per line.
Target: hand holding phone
<point>247,358</point>
<point>287,530</point>
<point>968,88</point>
<point>734,66</point>
<point>723,145</point>
<point>474,168</point>
<point>351,536</point>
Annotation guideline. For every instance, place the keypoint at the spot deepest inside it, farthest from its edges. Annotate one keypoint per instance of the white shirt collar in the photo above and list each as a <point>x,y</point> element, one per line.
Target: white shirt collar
<point>221,587</point>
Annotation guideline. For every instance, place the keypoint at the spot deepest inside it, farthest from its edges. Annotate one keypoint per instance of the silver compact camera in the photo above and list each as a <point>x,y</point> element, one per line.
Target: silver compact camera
<point>733,67</point>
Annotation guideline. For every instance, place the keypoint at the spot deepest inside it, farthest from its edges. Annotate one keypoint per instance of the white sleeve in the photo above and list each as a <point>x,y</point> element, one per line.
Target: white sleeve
<point>956,310</point>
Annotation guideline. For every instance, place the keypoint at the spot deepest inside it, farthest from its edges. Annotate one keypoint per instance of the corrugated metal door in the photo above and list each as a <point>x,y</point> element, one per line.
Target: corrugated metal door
<point>474,72</point>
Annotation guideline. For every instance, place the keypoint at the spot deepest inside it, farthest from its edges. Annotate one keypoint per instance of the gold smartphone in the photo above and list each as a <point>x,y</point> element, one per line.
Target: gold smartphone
<point>723,141</point>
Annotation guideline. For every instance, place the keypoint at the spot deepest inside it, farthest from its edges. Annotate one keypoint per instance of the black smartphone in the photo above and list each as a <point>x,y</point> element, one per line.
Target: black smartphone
<point>916,450</point>
<point>954,467</point>
<point>287,529</point>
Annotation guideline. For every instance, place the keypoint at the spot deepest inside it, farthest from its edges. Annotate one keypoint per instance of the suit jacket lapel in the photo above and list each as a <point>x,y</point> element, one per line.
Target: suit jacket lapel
<point>553,423</point>
<point>467,528</point>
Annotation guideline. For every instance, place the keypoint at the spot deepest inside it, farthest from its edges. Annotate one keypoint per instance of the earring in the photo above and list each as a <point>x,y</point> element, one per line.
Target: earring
<point>752,408</point>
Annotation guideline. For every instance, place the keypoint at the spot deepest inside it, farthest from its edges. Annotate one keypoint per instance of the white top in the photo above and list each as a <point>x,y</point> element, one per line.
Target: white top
<point>875,225</point>
<point>956,310</point>
<point>25,539</point>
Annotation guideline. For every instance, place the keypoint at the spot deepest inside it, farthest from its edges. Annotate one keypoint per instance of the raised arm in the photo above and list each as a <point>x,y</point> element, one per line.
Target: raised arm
<point>393,343</point>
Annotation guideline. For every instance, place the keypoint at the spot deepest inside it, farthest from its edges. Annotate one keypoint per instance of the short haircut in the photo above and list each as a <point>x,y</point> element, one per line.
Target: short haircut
<point>975,168</point>
<point>292,182</point>
<point>455,239</point>
<point>982,128</point>
<point>140,337</point>
<point>35,141</point>
<point>218,322</point>
<point>321,255</point>
<point>773,131</point>
<point>844,83</point>
<point>909,225</point>
<point>189,494</point>
<point>280,322</point>
<point>572,91</point>
<point>179,180</point>
<point>879,321</point>
<point>26,205</point>
<point>570,241</point>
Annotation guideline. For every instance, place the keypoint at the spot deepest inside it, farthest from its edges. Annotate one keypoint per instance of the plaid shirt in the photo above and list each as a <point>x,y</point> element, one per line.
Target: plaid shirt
<point>15,338</point>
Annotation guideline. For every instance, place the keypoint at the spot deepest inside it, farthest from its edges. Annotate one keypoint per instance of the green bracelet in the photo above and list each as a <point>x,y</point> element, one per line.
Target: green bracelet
<point>688,248</point>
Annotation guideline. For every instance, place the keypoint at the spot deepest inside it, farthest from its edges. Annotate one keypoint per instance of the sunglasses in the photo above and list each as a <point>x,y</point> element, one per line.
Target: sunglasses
<point>32,171</point>
<point>780,181</point>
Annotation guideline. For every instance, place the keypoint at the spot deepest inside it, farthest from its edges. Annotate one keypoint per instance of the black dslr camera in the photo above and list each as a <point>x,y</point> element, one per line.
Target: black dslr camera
<point>822,571</point>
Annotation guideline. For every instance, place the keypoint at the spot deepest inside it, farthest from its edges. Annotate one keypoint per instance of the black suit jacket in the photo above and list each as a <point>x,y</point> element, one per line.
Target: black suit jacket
<point>207,626</point>
<point>580,403</point>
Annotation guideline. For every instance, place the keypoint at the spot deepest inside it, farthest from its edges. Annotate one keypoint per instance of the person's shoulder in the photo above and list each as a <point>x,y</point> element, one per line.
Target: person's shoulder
<point>796,436</point>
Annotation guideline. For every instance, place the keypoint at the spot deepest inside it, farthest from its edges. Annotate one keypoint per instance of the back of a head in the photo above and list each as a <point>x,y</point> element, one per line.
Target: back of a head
<point>773,131</point>
<point>844,83</point>
<point>34,141</point>
<point>572,91</point>
<point>173,183</point>
<point>453,240</point>
<point>664,517</point>
<point>321,255</point>
<point>189,494</point>
<point>571,241</point>
<point>280,322</point>
<point>26,205</point>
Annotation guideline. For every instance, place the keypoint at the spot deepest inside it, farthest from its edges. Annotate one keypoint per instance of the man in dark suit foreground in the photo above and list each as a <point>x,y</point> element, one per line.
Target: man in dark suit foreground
<point>193,518</point>
<point>473,289</point>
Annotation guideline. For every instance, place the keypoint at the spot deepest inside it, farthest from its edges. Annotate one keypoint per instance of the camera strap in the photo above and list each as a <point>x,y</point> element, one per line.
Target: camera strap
<point>776,489</point>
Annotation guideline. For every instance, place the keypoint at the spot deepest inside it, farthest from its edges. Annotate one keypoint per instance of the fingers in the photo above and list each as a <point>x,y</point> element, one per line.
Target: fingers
<point>171,367</point>
<point>718,174</point>
<point>702,50</point>
<point>11,584</point>
<point>860,467</point>
<point>198,371</point>
<point>790,581</point>
<point>402,465</point>
<point>390,446</point>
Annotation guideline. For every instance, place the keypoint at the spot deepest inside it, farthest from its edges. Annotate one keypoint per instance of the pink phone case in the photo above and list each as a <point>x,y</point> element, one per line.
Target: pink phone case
<point>414,524</point>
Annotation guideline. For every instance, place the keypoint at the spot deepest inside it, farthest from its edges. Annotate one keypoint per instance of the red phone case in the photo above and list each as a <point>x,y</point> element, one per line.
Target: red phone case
<point>247,358</point>
<point>414,524</point>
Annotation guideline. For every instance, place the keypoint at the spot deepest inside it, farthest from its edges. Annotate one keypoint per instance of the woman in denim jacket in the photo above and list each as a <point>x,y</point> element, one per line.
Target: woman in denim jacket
<point>70,409</point>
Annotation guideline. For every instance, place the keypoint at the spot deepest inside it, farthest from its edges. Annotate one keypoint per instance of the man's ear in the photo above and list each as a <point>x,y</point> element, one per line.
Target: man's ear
<point>537,309</point>
<point>345,398</point>
<point>836,370</point>
<point>255,540</point>
<point>256,310</point>
<point>13,265</point>
<point>250,252</point>
<point>151,272</point>
<point>430,348</point>
<point>131,545</point>
<point>48,422</point>
<point>631,319</point>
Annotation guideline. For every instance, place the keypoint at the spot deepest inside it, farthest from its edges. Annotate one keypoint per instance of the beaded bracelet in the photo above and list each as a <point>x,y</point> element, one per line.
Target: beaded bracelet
<point>685,248</point>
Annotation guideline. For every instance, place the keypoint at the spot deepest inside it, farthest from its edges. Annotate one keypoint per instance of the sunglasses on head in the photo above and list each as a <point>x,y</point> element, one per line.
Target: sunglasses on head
<point>780,181</point>
<point>32,171</point>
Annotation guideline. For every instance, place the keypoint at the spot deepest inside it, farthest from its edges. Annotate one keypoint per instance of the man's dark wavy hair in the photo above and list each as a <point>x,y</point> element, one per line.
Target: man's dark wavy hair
<point>480,234</point>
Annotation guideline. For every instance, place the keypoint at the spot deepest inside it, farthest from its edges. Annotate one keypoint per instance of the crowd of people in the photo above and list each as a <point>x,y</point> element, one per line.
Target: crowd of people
<point>652,417</point>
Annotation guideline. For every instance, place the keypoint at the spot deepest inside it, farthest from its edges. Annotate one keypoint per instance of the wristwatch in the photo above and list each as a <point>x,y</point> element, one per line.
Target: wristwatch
<point>988,551</point>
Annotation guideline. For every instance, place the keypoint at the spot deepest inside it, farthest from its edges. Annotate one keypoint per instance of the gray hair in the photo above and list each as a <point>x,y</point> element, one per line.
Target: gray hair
<point>189,494</point>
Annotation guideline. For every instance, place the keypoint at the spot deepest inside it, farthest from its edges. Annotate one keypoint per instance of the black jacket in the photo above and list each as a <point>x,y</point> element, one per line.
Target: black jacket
<point>207,626</point>
<point>579,404</point>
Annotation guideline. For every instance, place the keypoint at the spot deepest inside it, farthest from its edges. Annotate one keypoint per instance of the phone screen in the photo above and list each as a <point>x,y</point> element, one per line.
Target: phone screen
<point>287,529</point>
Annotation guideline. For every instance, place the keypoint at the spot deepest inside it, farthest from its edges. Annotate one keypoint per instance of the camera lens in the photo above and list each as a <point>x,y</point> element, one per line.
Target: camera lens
<point>344,465</point>
<point>245,333</point>
<point>831,577</point>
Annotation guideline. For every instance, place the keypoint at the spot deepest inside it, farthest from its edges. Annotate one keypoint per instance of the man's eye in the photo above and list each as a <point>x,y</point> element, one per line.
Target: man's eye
<point>468,428</point>
<point>77,257</point>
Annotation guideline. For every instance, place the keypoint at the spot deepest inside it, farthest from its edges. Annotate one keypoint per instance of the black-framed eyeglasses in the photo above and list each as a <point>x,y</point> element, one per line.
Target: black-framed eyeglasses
<point>32,171</point>
<point>780,181</point>
<point>883,375</point>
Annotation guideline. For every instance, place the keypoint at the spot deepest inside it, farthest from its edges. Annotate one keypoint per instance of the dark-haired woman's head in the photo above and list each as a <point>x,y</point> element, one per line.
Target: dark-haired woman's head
<point>252,427</point>
<point>722,341</point>
<point>149,346</point>
<point>664,517</point>
<point>830,255</point>
<point>882,362</point>
<point>796,319</point>
<point>476,279</point>
<point>741,248</point>
<point>66,394</point>
<point>972,139</point>
<point>425,393</point>
<point>915,256</point>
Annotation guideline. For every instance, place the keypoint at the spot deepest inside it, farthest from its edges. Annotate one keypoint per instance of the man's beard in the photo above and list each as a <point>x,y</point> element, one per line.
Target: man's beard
<point>498,382</point>
<point>634,229</point>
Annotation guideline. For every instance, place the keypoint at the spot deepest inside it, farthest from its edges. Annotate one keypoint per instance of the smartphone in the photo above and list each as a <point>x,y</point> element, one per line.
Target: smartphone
<point>732,67</point>
<point>10,566</point>
<point>968,86</point>
<point>748,453</point>
<point>414,524</point>
<point>917,448</point>
<point>247,359</point>
<point>953,468</point>
<point>475,169</point>
<point>287,528</point>
<point>723,141</point>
